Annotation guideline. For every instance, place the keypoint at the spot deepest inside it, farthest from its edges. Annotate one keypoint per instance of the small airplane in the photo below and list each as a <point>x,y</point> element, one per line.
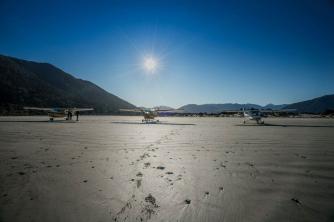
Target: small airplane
<point>66,113</point>
<point>150,113</point>
<point>258,114</point>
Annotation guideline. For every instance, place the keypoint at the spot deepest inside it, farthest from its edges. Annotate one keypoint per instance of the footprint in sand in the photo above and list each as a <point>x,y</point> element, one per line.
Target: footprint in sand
<point>296,200</point>
<point>179,177</point>
<point>138,183</point>
<point>222,165</point>
<point>150,199</point>
<point>168,180</point>
<point>145,155</point>
<point>150,207</point>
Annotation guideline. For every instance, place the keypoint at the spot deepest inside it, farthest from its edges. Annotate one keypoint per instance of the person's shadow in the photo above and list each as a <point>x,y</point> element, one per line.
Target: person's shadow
<point>37,121</point>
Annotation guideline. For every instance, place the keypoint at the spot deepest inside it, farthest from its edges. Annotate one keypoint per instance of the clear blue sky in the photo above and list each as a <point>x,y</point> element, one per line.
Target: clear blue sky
<point>207,51</point>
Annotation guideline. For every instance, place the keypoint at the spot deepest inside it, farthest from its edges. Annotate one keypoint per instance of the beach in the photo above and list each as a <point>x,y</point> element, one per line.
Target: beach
<point>113,168</point>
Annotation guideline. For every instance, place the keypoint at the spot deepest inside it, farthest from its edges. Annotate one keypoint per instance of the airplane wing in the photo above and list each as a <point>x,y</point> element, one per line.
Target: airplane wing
<point>82,109</point>
<point>38,108</point>
<point>232,111</point>
<point>279,111</point>
<point>169,110</point>
<point>131,110</point>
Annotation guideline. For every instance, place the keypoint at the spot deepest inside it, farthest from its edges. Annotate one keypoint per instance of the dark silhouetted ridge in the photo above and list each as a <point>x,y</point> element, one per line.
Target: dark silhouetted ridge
<point>26,83</point>
<point>317,105</point>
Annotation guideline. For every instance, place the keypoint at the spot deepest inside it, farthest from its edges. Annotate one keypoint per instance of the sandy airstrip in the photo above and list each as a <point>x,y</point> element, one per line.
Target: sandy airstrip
<point>100,169</point>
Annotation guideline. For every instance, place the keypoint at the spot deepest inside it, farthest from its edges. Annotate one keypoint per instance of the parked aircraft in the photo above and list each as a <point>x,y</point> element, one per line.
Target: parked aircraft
<point>149,113</point>
<point>66,113</point>
<point>258,114</point>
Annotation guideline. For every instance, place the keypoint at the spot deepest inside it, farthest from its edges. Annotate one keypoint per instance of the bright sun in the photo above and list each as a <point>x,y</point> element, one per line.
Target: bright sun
<point>150,64</point>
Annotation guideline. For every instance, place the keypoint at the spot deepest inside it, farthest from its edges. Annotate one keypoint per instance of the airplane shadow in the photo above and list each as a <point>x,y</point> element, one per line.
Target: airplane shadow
<point>156,123</point>
<point>286,125</point>
<point>37,121</point>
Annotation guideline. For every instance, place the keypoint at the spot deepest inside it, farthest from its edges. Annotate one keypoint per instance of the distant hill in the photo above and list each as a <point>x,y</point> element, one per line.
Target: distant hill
<point>317,105</point>
<point>216,108</point>
<point>274,107</point>
<point>26,83</point>
<point>163,107</point>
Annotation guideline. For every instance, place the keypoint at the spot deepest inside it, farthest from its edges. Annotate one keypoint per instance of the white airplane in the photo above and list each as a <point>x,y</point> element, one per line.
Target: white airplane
<point>150,113</point>
<point>66,113</point>
<point>258,114</point>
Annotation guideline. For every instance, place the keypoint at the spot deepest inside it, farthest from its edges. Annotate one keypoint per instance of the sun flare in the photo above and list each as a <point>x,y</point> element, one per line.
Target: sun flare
<point>150,64</point>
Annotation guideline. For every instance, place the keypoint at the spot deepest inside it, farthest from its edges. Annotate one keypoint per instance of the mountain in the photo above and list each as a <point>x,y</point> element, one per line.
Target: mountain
<point>216,108</point>
<point>317,105</point>
<point>163,107</point>
<point>274,107</point>
<point>27,83</point>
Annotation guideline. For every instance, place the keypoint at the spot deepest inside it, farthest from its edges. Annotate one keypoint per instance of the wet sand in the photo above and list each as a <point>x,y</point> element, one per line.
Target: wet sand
<point>215,170</point>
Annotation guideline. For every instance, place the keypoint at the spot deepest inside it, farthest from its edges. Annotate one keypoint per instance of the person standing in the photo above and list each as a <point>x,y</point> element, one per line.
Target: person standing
<point>77,114</point>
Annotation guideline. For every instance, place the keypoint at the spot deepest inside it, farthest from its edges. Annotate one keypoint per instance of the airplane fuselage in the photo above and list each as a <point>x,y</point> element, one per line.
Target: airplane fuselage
<point>149,116</point>
<point>253,115</point>
<point>64,113</point>
<point>57,114</point>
